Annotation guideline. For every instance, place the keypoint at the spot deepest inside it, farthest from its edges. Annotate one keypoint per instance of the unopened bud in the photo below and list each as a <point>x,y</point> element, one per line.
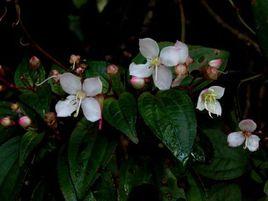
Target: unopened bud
<point>112,69</point>
<point>189,60</point>
<point>6,122</point>
<point>25,121</point>
<point>181,69</point>
<point>74,59</point>
<point>211,73</point>
<point>2,88</point>
<point>216,63</point>
<point>137,83</point>
<point>15,107</point>
<point>79,70</point>
<point>55,74</point>
<point>34,62</point>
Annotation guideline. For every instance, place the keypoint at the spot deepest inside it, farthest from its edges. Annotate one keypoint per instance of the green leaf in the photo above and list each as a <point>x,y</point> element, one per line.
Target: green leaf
<point>28,142</point>
<point>101,4</point>
<point>28,77</point>
<point>265,189</point>
<point>132,174</point>
<point>122,114</point>
<point>170,190</point>
<point>88,151</point>
<point>260,11</point>
<point>220,192</point>
<point>227,163</point>
<point>64,177</point>
<point>194,192</point>
<point>170,115</point>
<point>79,3</point>
<point>39,100</point>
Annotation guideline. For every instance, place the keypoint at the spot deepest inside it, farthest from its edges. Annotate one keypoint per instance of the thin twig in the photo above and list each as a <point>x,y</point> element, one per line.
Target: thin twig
<point>4,14</point>
<point>234,31</point>
<point>240,17</point>
<point>182,20</point>
<point>33,43</point>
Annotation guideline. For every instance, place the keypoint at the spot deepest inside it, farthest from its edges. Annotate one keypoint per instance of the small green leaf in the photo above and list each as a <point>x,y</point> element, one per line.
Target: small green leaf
<point>170,115</point>
<point>79,3</point>
<point>227,163</point>
<point>122,114</point>
<point>101,4</point>
<point>28,142</point>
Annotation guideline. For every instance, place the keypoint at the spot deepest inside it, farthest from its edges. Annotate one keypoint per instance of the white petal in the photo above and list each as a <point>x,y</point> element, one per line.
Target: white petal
<point>140,70</point>
<point>252,142</point>
<point>170,56</point>
<point>162,78</point>
<point>214,108</point>
<point>148,48</point>
<point>200,103</point>
<point>70,83</point>
<point>67,107</point>
<point>183,52</point>
<point>92,86</point>
<point>219,91</point>
<point>91,109</point>
<point>247,125</point>
<point>235,139</point>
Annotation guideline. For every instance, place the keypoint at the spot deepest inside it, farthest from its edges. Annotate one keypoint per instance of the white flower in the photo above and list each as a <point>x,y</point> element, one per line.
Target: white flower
<point>247,126</point>
<point>208,99</point>
<point>81,95</point>
<point>157,63</point>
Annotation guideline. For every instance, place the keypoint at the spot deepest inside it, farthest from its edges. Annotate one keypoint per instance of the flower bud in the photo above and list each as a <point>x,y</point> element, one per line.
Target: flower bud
<point>181,69</point>
<point>2,88</point>
<point>6,122</point>
<point>137,83</point>
<point>15,107</point>
<point>74,59</point>
<point>216,63</point>
<point>112,69</point>
<point>189,60</point>
<point>25,121</point>
<point>211,73</point>
<point>34,62</point>
<point>79,70</point>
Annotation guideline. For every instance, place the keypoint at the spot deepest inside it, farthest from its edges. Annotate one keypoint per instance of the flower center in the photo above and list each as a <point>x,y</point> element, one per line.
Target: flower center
<point>209,97</point>
<point>246,133</point>
<point>80,95</point>
<point>155,62</point>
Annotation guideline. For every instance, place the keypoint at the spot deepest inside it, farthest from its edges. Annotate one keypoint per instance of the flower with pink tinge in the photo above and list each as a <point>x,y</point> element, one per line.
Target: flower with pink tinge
<point>216,63</point>
<point>34,62</point>
<point>159,62</point>
<point>80,95</point>
<point>6,122</point>
<point>208,99</point>
<point>247,127</point>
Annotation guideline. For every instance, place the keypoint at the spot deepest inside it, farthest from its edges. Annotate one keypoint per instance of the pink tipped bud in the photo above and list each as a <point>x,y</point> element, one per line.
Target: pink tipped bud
<point>137,83</point>
<point>181,69</point>
<point>34,62</point>
<point>189,60</point>
<point>211,73</point>
<point>25,121</point>
<point>74,59</point>
<point>112,69</point>
<point>216,63</point>
<point>79,70</point>
<point>6,122</point>
<point>15,107</point>
<point>55,74</point>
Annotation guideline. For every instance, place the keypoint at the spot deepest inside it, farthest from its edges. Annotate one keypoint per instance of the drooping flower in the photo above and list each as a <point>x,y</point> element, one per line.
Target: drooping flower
<point>247,126</point>
<point>158,63</point>
<point>208,99</point>
<point>80,95</point>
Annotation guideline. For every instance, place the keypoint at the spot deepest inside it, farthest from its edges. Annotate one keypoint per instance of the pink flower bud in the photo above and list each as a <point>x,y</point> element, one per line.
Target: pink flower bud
<point>181,69</point>
<point>25,121</point>
<point>137,83</point>
<point>74,59</point>
<point>34,62</point>
<point>189,60</point>
<point>216,63</point>
<point>79,70</point>
<point>211,73</point>
<point>112,69</point>
<point>6,122</point>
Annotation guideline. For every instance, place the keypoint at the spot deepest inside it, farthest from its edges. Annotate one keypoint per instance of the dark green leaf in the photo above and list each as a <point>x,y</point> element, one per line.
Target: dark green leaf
<point>230,192</point>
<point>194,192</point>
<point>170,115</point>
<point>79,3</point>
<point>122,114</point>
